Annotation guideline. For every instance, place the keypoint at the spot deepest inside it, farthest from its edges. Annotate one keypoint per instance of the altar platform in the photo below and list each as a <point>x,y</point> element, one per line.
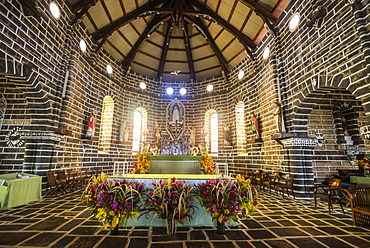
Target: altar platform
<point>167,164</point>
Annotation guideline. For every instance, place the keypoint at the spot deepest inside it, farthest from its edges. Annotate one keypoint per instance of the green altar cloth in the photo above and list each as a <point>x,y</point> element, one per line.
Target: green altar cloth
<point>176,158</point>
<point>19,191</point>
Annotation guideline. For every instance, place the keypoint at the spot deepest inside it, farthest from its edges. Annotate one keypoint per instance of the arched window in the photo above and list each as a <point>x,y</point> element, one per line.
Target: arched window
<point>240,128</point>
<point>140,123</point>
<point>211,130</point>
<point>106,127</point>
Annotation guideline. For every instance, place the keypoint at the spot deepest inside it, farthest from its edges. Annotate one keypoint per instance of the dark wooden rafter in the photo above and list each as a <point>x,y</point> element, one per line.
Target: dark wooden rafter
<point>87,5</point>
<point>244,39</point>
<point>153,24</point>
<point>210,41</point>
<point>261,10</point>
<point>165,47</point>
<point>109,29</point>
<point>188,51</point>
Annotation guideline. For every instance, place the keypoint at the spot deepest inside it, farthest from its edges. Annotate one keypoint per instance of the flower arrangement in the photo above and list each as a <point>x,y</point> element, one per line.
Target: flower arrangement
<point>364,164</point>
<point>208,166</point>
<point>113,201</point>
<point>154,150</point>
<point>143,163</point>
<point>226,199</point>
<point>171,200</point>
<point>248,194</point>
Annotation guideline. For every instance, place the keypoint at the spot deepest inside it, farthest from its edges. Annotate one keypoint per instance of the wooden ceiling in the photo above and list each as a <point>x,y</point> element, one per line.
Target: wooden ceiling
<point>178,40</point>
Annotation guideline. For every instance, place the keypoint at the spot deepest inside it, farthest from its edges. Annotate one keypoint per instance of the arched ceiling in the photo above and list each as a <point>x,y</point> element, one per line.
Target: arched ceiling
<point>178,40</point>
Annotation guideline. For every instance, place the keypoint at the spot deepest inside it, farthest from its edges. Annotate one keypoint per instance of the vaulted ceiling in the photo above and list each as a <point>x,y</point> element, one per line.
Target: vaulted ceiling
<point>178,40</point>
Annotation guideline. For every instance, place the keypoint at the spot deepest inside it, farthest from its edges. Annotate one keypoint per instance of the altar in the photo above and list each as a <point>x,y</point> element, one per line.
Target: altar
<point>168,164</point>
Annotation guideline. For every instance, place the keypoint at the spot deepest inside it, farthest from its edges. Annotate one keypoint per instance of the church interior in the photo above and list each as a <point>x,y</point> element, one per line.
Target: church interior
<point>270,95</point>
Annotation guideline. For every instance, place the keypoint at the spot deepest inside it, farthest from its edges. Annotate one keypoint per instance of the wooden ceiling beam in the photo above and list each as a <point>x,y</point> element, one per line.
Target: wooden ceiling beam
<point>87,5</point>
<point>189,55</point>
<point>165,47</point>
<point>211,42</point>
<point>244,39</point>
<point>153,24</point>
<point>261,10</point>
<point>110,28</point>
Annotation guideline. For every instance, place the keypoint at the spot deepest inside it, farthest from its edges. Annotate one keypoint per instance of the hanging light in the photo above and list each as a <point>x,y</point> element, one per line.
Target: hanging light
<point>83,45</point>
<point>169,90</point>
<point>143,85</point>
<point>109,69</point>
<point>240,74</point>
<point>209,87</point>
<point>182,91</point>
<point>54,9</point>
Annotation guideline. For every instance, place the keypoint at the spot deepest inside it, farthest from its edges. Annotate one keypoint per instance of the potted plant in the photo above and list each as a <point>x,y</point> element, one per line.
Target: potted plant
<point>170,200</point>
<point>226,199</point>
<point>143,163</point>
<point>113,201</point>
<point>364,166</point>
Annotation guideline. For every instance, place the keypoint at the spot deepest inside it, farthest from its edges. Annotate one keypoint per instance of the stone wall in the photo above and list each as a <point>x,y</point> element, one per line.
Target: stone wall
<point>319,74</point>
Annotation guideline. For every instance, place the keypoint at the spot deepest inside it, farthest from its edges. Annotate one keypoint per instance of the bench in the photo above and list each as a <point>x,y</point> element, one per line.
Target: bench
<point>360,205</point>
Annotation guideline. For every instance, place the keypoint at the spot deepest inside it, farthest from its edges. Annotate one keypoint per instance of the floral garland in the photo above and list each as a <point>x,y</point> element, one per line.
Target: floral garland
<point>208,166</point>
<point>113,201</point>
<point>143,163</point>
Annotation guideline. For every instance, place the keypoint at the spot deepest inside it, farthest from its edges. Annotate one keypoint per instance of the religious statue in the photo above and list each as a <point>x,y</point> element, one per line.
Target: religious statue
<point>226,134</point>
<point>345,126</point>
<point>175,114</point>
<point>255,127</point>
<point>127,133</point>
<point>91,123</point>
<point>157,134</point>
<point>122,131</point>
<point>277,116</point>
<point>192,134</point>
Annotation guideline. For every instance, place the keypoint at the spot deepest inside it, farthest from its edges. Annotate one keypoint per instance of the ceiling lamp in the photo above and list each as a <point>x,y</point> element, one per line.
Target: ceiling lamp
<point>266,53</point>
<point>183,91</point>
<point>109,69</point>
<point>143,85</point>
<point>240,74</point>
<point>54,9</point>
<point>83,45</point>
<point>294,21</point>
<point>209,87</point>
<point>169,90</point>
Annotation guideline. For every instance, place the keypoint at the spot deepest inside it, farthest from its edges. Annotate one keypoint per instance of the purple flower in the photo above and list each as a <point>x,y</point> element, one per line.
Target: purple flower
<point>214,208</point>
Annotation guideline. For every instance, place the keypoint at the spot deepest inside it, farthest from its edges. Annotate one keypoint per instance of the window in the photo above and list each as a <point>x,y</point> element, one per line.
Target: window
<point>106,124</point>
<point>214,132</point>
<point>140,122</point>
<point>240,128</point>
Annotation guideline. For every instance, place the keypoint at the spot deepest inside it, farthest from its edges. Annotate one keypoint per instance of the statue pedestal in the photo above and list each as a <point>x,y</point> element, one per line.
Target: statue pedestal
<point>123,142</point>
<point>277,136</point>
<point>91,138</point>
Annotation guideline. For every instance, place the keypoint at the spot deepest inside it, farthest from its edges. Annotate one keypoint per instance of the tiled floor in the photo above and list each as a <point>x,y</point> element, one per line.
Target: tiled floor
<point>63,222</point>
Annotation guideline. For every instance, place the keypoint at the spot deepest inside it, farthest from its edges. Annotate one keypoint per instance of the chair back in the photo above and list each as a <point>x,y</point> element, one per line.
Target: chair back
<point>50,176</point>
<point>62,176</point>
<point>360,196</point>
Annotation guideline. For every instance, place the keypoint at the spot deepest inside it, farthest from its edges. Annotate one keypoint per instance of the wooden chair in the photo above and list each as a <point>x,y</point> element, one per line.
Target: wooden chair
<point>63,181</point>
<point>267,182</point>
<point>88,175</point>
<point>52,184</point>
<point>257,178</point>
<point>98,172</point>
<point>330,193</point>
<point>72,177</point>
<point>286,185</point>
<point>360,205</point>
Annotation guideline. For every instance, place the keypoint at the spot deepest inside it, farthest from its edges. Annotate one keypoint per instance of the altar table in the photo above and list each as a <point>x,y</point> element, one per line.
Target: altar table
<point>361,181</point>
<point>200,216</point>
<point>167,164</point>
<point>19,191</point>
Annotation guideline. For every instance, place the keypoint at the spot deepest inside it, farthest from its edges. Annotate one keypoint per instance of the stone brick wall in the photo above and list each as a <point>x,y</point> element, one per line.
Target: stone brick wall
<point>319,74</point>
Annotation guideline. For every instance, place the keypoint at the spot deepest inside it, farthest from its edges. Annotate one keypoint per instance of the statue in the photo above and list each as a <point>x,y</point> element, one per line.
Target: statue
<point>277,117</point>
<point>91,123</point>
<point>122,131</point>
<point>176,114</point>
<point>226,134</point>
<point>157,134</point>
<point>345,126</point>
<point>192,134</point>
<point>255,127</point>
<point>127,133</point>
